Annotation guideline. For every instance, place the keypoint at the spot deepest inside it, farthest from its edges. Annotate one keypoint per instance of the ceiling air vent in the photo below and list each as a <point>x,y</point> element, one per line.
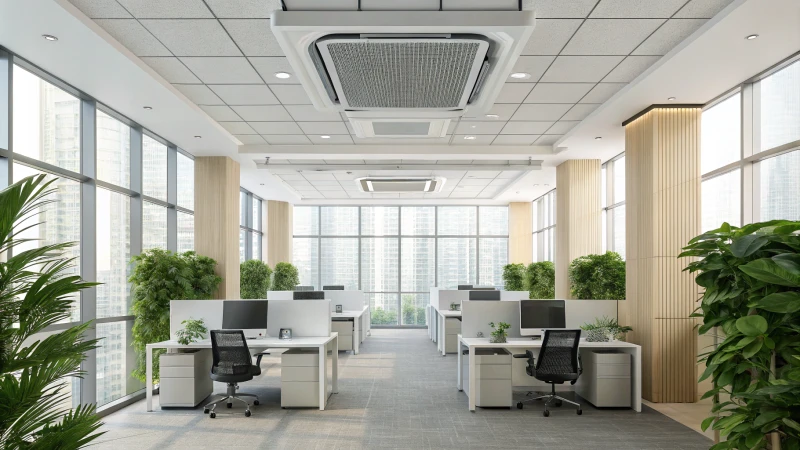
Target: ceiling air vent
<point>387,185</point>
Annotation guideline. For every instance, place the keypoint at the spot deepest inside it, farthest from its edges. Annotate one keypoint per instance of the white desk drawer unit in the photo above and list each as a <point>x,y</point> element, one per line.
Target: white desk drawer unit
<point>185,378</point>
<point>300,379</point>
<point>452,328</point>
<point>606,379</point>
<point>345,330</point>
<point>492,378</point>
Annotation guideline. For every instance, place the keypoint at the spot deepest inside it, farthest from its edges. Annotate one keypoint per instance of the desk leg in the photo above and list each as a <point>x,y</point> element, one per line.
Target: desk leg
<point>471,379</point>
<point>149,377</point>
<point>637,379</point>
<point>323,375</point>
<point>335,367</point>
<point>460,375</point>
<point>356,334</point>
<point>443,334</point>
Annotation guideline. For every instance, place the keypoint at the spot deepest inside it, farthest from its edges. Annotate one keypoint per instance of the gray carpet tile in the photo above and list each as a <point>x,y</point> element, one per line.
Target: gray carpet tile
<point>397,393</point>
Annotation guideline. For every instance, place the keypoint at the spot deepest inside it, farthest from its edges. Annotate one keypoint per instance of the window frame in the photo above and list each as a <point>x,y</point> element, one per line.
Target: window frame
<point>610,203</point>
<point>543,229</point>
<point>249,226</point>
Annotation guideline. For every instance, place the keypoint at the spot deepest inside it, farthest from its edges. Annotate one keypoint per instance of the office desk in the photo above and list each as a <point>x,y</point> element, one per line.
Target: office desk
<point>517,345</point>
<point>263,343</point>
<point>359,326</point>
<point>441,331</point>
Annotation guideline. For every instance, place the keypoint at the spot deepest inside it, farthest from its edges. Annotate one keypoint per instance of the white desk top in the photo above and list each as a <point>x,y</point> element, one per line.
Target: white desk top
<point>448,312</point>
<point>349,314</point>
<point>314,341</point>
<point>530,343</point>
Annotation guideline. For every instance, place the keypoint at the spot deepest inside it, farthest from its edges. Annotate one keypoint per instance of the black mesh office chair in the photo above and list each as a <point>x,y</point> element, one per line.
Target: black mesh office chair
<point>559,362</point>
<point>232,365</point>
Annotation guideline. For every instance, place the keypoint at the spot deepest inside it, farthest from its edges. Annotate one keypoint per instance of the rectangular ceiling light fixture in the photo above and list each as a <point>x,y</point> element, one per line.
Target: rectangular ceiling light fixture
<point>400,185</point>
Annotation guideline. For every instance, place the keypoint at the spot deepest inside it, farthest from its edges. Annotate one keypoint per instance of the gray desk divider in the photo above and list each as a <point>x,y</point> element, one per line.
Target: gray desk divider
<point>476,315</point>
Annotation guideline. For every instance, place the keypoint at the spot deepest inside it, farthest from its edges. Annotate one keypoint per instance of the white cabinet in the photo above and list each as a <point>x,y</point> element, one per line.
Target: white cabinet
<point>492,378</point>
<point>606,379</point>
<point>185,378</point>
<point>300,379</point>
<point>345,330</point>
<point>452,328</point>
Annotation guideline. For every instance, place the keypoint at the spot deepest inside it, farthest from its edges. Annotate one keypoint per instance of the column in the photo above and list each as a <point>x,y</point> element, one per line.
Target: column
<point>578,216</point>
<point>662,167</point>
<point>279,232</point>
<point>520,232</point>
<point>216,218</point>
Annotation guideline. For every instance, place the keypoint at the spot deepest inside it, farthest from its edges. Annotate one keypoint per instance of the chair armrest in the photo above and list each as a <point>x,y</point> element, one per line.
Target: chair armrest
<point>580,369</point>
<point>522,355</point>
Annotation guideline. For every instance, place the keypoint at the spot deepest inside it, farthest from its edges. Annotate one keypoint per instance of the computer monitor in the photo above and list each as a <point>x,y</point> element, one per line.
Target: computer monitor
<point>476,288</point>
<point>301,287</point>
<point>309,295</point>
<point>484,295</point>
<point>537,315</point>
<point>335,287</point>
<point>464,287</point>
<point>249,316</point>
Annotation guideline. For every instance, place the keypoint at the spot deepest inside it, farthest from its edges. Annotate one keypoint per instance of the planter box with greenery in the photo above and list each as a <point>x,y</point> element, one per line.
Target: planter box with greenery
<point>514,277</point>
<point>598,277</point>
<point>254,279</point>
<point>540,280</point>
<point>751,277</point>
<point>285,277</point>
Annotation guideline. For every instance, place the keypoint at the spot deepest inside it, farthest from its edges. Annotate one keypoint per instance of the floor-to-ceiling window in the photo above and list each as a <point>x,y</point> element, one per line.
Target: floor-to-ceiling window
<point>544,226</point>
<point>613,199</point>
<point>251,232</point>
<point>395,254</point>
<point>118,189</point>
<point>750,151</point>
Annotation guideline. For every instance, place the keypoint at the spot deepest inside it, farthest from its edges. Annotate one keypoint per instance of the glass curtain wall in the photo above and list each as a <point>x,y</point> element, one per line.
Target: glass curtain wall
<point>613,197</point>
<point>544,223</point>
<point>395,254</point>
<point>251,231</point>
<point>118,189</point>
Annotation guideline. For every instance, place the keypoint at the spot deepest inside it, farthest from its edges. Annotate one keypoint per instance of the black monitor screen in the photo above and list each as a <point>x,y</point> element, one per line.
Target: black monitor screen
<point>336,287</point>
<point>244,314</point>
<point>484,289</point>
<point>542,314</point>
<point>484,295</point>
<point>464,287</point>
<point>300,287</point>
<point>309,295</point>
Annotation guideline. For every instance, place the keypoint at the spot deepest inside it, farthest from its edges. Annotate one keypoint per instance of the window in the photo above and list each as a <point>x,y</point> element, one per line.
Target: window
<point>154,229</point>
<point>721,200</point>
<point>780,187</point>
<point>185,182</point>
<point>250,226</point>
<point>113,150</point>
<point>544,222</point>
<point>780,107</point>
<point>113,253</point>
<point>154,168</point>
<point>185,232</point>
<point>613,200</point>
<point>720,130</point>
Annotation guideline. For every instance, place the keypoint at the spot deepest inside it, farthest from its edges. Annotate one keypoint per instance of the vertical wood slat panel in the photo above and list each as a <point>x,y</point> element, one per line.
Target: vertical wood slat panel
<point>520,232</point>
<point>279,232</point>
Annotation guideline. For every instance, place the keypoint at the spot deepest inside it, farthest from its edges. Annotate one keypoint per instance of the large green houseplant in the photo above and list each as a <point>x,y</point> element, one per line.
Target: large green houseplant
<point>751,281</point>
<point>158,277</point>
<point>514,277</point>
<point>540,279</point>
<point>598,277</point>
<point>254,279</point>
<point>285,277</point>
<point>36,291</point>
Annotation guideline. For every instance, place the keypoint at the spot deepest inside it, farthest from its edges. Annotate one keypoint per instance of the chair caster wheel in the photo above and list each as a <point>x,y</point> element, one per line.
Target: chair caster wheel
<point>546,413</point>
<point>255,402</point>
<point>212,415</point>
<point>580,411</point>
<point>229,405</point>
<point>519,405</point>
<point>205,410</point>
<point>247,413</point>
<point>559,403</point>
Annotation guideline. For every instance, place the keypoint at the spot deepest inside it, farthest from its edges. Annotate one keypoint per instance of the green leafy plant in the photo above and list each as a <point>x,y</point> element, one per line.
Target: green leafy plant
<point>540,278</point>
<point>193,330</point>
<point>514,277</point>
<point>380,316</point>
<point>598,277</point>
<point>751,277</point>
<point>254,279</point>
<point>36,291</point>
<point>285,277</point>
<point>607,323</point>
<point>158,277</point>
<point>412,314</point>
<point>499,333</point>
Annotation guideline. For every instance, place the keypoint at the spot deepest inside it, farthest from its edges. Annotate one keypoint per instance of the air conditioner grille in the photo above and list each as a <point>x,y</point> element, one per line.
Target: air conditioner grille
<point>387,73</point>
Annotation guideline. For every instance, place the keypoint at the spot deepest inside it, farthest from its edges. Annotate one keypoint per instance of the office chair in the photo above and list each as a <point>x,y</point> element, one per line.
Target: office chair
<point>232,365</point>
<point>559,362</point>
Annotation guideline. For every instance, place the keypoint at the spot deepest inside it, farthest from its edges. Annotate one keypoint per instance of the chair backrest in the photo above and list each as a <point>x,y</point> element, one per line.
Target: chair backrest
<point>559,352</point>
<point>230,352</point>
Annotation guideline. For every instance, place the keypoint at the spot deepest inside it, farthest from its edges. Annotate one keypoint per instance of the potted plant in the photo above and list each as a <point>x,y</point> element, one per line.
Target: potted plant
<point>192,331</point>
<point>254,279</point>
<point>499,334</point>
<point>285,277</point>
<point>514,277</point>
<point>37,291</point>
<point>540,279</point>
<point>594,277</point>
<point>605,329</point>
<point>454,306</point>
<point>751,281</point>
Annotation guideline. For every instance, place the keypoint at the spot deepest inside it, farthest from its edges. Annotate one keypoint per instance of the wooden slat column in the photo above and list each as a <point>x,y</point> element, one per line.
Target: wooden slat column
<point>662,188</point>
<point>278,232</point>
<point>520,232</point>
<point>578,216</point>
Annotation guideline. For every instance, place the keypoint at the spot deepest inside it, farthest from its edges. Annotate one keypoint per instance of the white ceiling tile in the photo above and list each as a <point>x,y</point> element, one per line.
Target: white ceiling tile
<point>563,8</point>
<point>526,127</point>
<point>558,92</point>
<point>192,37</point>
<point>312,196</point>
<point>237,127</point>
<point>451,127</point>
<point>481,182</point>
<point>392,141</point>
<point>550,36</point>
<point>291,94</point>
<point>534,65</point>
<point>276,127</point>
<point>263,113</point>
<point>250,139</point>
<point>514,92</point>
<point>515,139</point>
<point>319,176</point>
<point>277,139</point>
<point>254,36</point>
<point>547,139</point>
<point>466,127</point>
<point>461,188</point>
<point>541,112</point>
<point>630,68</point>
<point>199,94</point>
<point>702,9</point>
<point>221,113</point>
<point>610,36</point>
<point>243,9</point>
<point>602,92</point>
<point>504,113</point>
<point>221,70</point>
<point>575,69</point>
<point>308,113</point>
<point>327,128</point>
<point>668,36</point>
<point>292,176</point>
<point>331,185</point>
<point>172,69</point>
<point>480,139</point>
<point>611,9</point>
<point>485,174</point>
<point>300,184</point>
<point>101,9</point>
<point>350,127</point>
<point>498,182</point>
<point>507,174</point>
<point>579,112</point>
<point>268,66</point>
<point>245,94</point>
<point>131,34</point>
<point>172,9</point>
<point>562,126</point>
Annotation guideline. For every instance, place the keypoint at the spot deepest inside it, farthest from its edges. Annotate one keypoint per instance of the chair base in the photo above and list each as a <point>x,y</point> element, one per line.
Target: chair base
<point>230,396</point>
<point>550,398</point>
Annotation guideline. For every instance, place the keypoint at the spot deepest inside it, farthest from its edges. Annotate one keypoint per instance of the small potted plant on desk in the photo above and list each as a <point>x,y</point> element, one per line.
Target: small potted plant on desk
<point>605,329</point>
<point>499,333</point>
<point>193,330</point>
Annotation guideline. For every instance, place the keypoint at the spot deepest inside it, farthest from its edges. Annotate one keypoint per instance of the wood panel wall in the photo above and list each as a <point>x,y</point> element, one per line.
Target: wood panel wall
<point>279,229</point>
<point>578,216</point>
<point>662,171</point>
<point>216,218</point>
<point>520,232</point>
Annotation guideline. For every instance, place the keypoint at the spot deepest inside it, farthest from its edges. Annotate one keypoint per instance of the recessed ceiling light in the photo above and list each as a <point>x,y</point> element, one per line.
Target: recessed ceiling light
<point>672,99</point>
<point>520,75</point>
<point>751,37</point>
<point>261,184</point>
<point>598,138</point>
<point>283,75</point>
<point>50,37</point>
<point>469,138</point>
<point>492,116</point>
<point>473,126</point>
<point>198,137</point>
<point>325,136</point>
<point>147,107</point>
